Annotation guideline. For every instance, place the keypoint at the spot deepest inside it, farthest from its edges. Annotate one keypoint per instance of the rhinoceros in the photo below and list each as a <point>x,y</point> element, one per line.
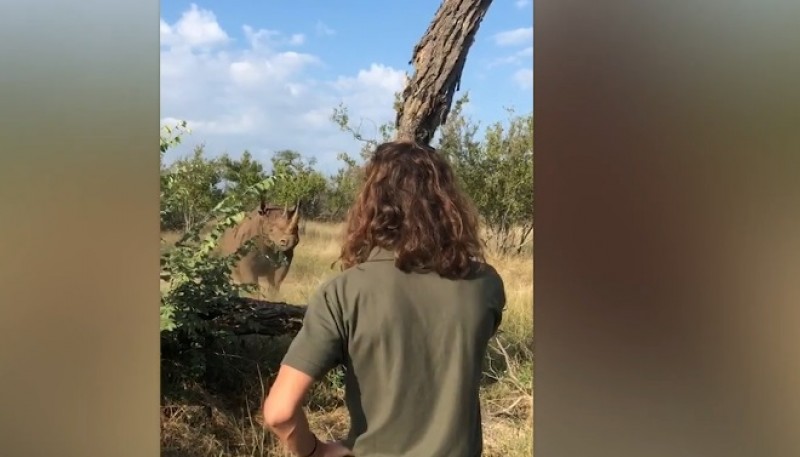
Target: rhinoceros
<point>274,230</point>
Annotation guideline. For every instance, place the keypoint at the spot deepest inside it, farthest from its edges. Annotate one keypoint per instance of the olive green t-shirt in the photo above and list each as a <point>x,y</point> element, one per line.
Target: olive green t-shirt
<point>412,346</point>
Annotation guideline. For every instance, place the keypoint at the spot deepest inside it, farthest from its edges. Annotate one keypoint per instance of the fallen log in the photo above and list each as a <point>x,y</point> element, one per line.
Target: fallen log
<point>251,316</point>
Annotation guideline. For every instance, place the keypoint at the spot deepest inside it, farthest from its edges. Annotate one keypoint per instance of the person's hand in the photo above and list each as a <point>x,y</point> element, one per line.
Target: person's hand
<point>332,449</point>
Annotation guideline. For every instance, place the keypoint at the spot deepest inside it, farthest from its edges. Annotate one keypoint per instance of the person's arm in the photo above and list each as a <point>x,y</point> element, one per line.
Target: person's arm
<point>315,350</point>
<point>283,412</point>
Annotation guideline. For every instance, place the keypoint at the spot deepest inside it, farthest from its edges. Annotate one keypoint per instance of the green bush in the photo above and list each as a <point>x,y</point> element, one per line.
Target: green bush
<point>199,288</point>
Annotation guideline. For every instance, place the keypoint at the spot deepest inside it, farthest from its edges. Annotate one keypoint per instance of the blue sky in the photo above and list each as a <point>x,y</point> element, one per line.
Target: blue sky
<point>265,76</point>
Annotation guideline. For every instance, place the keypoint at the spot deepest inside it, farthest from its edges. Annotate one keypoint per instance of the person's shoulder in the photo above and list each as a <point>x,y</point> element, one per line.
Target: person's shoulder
<point>365,273</point>
<point>486,271</point>
<point>341,289</point>
<point>330,286</point>
<point>487,276</point>
<point>333,286</point>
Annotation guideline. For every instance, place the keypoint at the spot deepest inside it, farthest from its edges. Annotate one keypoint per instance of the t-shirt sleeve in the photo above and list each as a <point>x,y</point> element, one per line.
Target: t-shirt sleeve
<point>497,302</point>
<point>319,346</point>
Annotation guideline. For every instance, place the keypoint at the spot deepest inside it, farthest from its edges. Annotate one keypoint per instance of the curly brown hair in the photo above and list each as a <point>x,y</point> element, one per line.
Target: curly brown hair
<point>411,204</point>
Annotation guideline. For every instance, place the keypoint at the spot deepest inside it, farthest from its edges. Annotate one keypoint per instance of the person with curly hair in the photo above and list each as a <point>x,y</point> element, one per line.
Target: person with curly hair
<point>409,318</point>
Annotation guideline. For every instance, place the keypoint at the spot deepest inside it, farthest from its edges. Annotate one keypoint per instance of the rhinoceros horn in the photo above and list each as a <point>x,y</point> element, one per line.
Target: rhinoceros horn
<point>295,216</point>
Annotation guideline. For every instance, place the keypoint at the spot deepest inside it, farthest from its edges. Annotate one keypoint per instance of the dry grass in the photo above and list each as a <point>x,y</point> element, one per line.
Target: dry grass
<point>234,427</point>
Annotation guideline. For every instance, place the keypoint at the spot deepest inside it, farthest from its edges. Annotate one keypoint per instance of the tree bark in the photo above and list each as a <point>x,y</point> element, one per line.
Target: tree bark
<point>438,61</point>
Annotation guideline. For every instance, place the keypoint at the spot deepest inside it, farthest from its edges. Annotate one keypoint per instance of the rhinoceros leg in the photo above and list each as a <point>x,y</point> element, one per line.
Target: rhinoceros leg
<point>265,286</point>
<point>244,273</point>
<point>282,271</point>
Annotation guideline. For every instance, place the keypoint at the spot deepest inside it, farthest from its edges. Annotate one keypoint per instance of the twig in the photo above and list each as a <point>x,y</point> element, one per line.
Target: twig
<point>507,411</point>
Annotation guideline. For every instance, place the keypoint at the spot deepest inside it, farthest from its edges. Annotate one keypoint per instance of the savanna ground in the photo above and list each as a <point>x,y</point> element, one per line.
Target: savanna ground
<point>225,420</point>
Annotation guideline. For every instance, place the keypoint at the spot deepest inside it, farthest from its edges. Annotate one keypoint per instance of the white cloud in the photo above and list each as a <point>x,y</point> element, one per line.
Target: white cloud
<point>324,30</point>
<point>164,30</point>
<point>262,96</point>
<point>266,39</point>
<point>515,37</point>
<point>259,39</point>
<point>229,124</point>
<point>249,70</point>
<point>523,55</point>
<point>377,76</point>
<point>195,28</point>
<point>369,96</point>
<point>522,3</point>
<point>524,78</point>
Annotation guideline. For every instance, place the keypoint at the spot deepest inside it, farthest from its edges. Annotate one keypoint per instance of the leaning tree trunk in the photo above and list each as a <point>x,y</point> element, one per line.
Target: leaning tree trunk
<point>438,61</point>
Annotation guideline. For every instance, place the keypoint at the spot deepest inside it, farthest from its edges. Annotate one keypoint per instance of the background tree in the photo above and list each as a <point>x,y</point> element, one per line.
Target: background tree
<point>345,182</point>
<point>170,137</point>
<point>240,175</point>
<point>300,183</point>
<point>191,189</point>
<point>496,172</point>
<point>342,188</point>
<point>507,204</point>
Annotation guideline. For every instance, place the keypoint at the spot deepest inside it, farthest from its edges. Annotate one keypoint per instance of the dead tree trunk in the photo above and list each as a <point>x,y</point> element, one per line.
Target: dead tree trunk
<point>438,61</point>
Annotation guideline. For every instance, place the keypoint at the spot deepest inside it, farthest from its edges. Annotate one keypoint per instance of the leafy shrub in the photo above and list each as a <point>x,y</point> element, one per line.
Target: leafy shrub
<point>199,288</point>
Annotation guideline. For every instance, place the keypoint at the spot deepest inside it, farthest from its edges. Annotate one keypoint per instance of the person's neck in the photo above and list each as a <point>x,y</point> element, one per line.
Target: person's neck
<point>379,253</point>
